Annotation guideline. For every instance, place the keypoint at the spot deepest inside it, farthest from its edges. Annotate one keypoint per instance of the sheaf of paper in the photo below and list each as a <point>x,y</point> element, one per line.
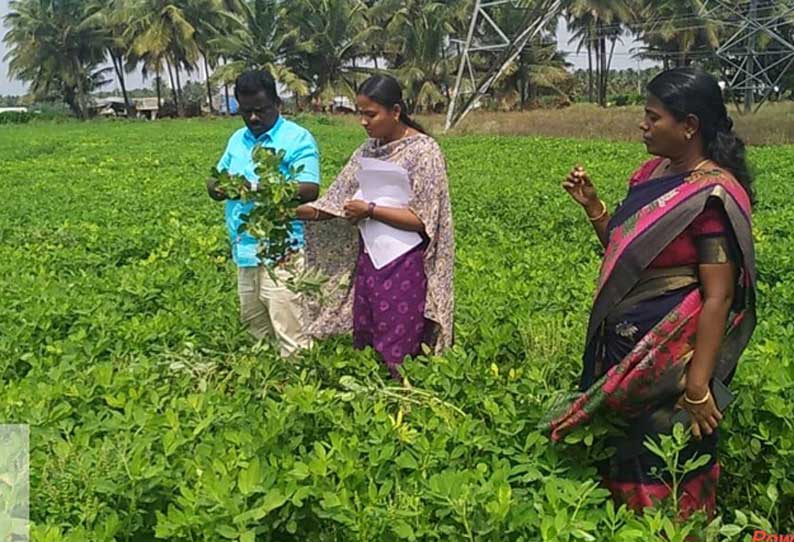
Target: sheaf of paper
<point>387,185</point>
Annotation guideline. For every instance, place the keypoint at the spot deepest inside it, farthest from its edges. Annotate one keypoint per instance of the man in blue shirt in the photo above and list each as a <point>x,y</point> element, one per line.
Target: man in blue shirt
<point>267,308</point>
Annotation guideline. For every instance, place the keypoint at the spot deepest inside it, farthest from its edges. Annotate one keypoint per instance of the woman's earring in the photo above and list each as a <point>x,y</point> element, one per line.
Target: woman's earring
<point>688,136</point>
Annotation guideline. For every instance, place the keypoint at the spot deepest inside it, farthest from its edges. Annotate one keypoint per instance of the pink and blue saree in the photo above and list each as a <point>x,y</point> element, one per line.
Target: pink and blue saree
<point>643,325</point>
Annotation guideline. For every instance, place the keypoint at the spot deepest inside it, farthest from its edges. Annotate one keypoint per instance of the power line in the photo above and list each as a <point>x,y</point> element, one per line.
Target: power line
<point>637,27</point>
<point>645,31</point>
<point>695,52</point>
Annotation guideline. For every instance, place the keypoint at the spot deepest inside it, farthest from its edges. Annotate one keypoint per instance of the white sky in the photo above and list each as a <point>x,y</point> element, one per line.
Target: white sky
<point>621,60</point>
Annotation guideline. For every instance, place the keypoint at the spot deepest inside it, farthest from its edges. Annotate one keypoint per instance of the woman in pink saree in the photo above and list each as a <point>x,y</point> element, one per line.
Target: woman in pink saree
<point>675,303</point>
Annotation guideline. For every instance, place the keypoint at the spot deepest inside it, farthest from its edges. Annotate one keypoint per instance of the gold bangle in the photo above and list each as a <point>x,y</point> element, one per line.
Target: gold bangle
<point>603,213</point>
<point>699,401</point>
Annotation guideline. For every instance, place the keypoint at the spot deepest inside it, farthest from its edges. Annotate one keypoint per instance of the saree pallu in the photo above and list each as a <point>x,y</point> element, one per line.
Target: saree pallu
<point>642,333</point>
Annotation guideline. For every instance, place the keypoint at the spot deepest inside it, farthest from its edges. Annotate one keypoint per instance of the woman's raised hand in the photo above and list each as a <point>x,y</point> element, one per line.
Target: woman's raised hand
<point>581,188</point>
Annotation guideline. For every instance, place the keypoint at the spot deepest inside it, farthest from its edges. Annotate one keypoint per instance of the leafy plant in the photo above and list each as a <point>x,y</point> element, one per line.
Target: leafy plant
<point>153,418</point>
<point>15,117</point>
<point>274,199</point>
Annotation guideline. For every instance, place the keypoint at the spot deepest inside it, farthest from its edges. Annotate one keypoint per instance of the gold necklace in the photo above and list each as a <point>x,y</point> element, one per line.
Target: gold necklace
<point>697,167</point>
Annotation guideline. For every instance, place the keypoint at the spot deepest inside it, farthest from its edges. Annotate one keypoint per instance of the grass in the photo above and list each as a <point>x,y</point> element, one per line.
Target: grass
<point>773,124</point>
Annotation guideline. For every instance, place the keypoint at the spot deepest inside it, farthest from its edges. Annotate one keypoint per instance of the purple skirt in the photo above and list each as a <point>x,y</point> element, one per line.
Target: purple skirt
<point>389,307</point>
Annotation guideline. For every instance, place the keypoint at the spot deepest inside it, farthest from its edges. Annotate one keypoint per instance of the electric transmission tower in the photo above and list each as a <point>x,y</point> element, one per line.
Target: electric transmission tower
<point>752,73</point>
<point>494,47</point>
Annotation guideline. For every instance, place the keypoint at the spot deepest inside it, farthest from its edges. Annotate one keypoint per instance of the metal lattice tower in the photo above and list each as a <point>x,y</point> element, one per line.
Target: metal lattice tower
<point>751,69</point>
<point>487,39</point>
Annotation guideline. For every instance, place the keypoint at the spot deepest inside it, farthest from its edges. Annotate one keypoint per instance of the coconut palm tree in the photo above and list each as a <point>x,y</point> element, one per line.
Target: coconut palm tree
<point>604,23</point>
<point>259,37</point>
<point>211,19</point>
<point>582,34</point>
<point>332,35</point>
<point>417,50</point>
<point>539,66</point>
<point>673,29</point>
<point>161,30</point>
<point>54,51</point>
<point>110,18</point>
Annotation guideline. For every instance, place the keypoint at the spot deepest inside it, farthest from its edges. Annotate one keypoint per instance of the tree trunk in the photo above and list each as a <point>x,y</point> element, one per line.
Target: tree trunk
<point>209,87</point>
<point>69,98</point>
<point>598,64</point>
<point>159,97</point>
<point>602,91</point>
<point>123,82</point>
<point>605,89</point>
<point>589,69</point>
<point>609,67</point>
<point>521,81</point>
<point>173,86</point>
<point>179,109</point>
<point>226,93</point>
<point>80,98</point>
<point>596,72</point>
<point>118,66</point>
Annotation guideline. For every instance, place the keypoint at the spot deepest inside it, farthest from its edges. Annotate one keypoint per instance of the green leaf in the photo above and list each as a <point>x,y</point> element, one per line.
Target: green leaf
<point>581,535</point>
<point>274,499</point>
<point>300,494</point>
<point>330,500</point>
<point>406,461</point>
<point>227,531</point>
<point>300,470</point>
<point>249,478</point>
<point>730,530</point>
<point>403,530</point>
<point>772,493</point>
<point>741,518</point>
<point>695,463</point>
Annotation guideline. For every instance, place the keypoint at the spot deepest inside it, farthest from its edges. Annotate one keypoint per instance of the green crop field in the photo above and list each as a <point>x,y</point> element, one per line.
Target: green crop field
<point>153,417</point>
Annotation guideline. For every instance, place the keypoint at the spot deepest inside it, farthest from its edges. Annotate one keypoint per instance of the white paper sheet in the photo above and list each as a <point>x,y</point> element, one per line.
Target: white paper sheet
<point>386,184</point>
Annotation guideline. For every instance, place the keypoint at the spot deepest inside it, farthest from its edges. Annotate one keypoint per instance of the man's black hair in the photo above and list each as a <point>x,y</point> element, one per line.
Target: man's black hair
<point>251,82</point>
